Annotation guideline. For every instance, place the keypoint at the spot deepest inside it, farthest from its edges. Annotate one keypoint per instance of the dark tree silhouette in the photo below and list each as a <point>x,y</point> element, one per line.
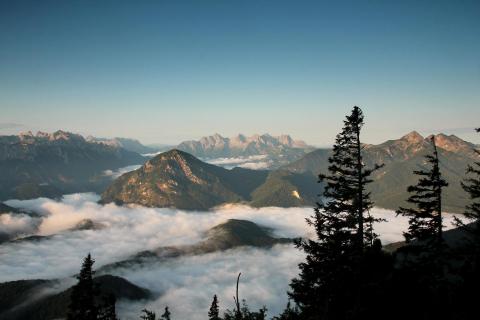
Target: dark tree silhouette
<point>344,230</point>
<point>166,314</point>
<point>148,315</point>
<point>107,309</point>
<point>288,314</point>
<point>245,313</point>
<point>213,312</point>
<point>470,253</point>
<point>422,266</point>
<point>425,216</point>
<point>82,305</point>
<point>472,186</point>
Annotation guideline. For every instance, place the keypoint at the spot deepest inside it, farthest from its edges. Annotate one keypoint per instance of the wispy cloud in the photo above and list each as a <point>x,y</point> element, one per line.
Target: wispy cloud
<point>114,174</point>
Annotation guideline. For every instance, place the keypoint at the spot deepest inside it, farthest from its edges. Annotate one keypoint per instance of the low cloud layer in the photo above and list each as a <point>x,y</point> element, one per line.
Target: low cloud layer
<point>257,162</point>
<point>187,284</point>
<point>114,174</point>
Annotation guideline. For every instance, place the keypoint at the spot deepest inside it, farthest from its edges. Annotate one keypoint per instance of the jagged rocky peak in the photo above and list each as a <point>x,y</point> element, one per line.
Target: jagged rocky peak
<point>65,135</point>
<point>451,143</point>
<point>413,137</point>
<point>240,137</point>
<point>26,134</point>
<point>55,136</point>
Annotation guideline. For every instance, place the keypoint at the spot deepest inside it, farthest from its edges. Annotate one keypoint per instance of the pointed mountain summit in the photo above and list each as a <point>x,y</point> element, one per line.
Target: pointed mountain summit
<point>413,137</point>
<point>178,179</point>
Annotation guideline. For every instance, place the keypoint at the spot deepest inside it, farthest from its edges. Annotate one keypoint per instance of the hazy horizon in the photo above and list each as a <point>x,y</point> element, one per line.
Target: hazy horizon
<point>467,134</point>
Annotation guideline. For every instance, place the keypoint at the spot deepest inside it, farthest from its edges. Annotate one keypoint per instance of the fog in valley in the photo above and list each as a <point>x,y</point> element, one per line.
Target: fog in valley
<point>185,284</point>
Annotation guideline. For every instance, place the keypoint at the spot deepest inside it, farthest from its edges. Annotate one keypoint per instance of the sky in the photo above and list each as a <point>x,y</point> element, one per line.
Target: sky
<point>168,71</point>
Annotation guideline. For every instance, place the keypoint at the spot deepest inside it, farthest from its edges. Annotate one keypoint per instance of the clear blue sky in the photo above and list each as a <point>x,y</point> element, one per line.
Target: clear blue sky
<point>165,71</point>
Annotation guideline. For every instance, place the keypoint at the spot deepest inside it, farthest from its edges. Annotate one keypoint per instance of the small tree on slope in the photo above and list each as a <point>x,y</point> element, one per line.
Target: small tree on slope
<point>82,305</point>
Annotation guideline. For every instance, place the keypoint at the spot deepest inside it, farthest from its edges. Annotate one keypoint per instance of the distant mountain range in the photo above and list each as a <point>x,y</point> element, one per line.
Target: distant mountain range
<point>177,179</point>
<point>269,151</point>
<point>125,143</point>
<point>52,164</point>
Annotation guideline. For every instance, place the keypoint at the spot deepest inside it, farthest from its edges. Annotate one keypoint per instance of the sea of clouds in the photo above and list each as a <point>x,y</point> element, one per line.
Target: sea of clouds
<point>186,284</point>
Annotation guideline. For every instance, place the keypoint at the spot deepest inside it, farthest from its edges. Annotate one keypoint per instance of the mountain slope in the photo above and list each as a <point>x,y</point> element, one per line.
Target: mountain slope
<point>30,299</point>
<point>401,157</point>
<point>283,188</point>
<point>178,179</point>
<point>231,234</point>
<point>53,164</point>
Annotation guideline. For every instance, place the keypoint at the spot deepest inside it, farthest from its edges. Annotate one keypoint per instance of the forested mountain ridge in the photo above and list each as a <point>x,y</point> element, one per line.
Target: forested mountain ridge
<point>51,164</point>
<point>400,157</point>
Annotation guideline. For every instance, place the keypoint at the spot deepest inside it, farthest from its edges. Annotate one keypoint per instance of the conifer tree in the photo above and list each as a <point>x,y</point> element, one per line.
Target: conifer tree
<point>107,310</point>
<point>166,314</point>
<point>472,186</point>
<point>213,312</point>
<point>470,255</point>
<point>344,229</point>
<point>82,305</point>
<point>288,314</point>
<point>422,266</point>
<point>425,217</point>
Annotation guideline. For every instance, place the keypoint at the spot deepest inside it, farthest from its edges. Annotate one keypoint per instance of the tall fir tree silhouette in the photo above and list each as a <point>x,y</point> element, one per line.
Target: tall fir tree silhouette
<point>213,312</point>
<point>82,305</point>
<point>422,266</point>
<point>107,310</point>
<point>470,255</point>
<point>425,215</point>
<point>344,229</point>
<point>471,185</point>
